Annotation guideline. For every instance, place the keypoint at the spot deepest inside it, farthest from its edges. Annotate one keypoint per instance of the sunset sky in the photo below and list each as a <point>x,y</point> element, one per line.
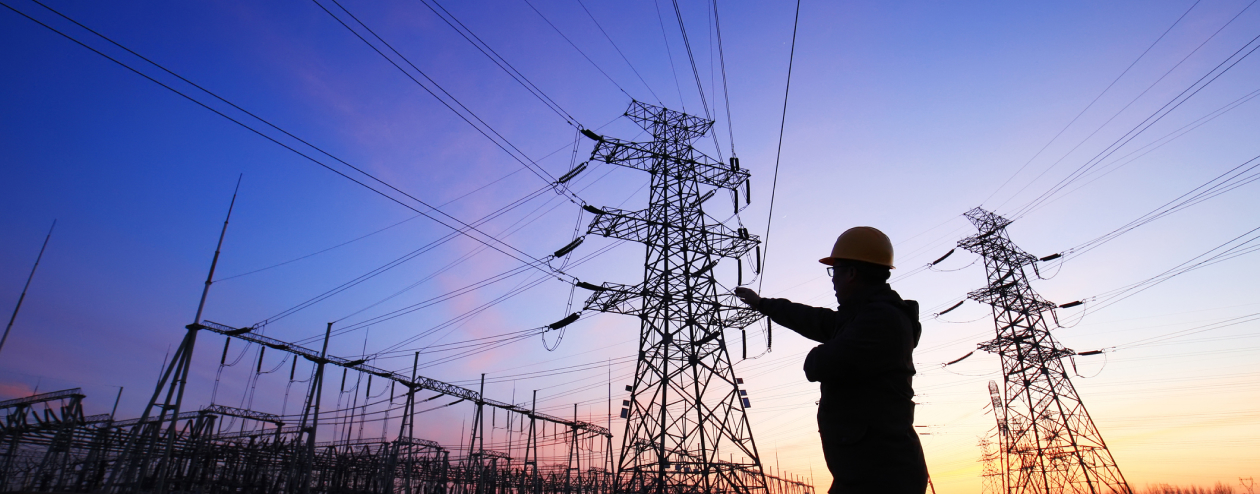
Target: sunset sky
<point>1075,118</point>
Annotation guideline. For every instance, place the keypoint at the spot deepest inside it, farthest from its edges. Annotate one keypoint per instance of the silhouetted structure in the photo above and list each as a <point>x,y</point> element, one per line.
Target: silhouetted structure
<point>685,409</point>
<point>1049,442</point>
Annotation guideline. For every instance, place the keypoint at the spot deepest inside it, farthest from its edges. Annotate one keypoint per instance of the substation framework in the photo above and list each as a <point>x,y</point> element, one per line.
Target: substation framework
<point>686,428</point>
<point>684,406</point>
<point>1046,439</point>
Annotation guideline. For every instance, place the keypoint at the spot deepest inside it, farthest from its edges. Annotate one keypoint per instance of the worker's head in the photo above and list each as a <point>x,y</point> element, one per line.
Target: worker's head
<point>862,256</point>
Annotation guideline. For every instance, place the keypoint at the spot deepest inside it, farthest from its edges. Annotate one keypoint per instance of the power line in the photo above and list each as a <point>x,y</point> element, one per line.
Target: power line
<point>392,264</point>
<point>501,62</point>
<point>501,142</point>
<point>787,88</point>
<point>1233,178</point>
<point>1091,103</point>
<point>1145,124</point>
<point>730,127</point>
<point>619,52</point>
<point>696,73</point>
<point>579,50</point>
<point>682,28</point>
<point>1223,252</point>
<point>535,263</point>
<point>673,70</point>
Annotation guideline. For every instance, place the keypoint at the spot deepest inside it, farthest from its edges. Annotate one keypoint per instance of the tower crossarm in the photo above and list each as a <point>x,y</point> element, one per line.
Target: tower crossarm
<point>1002,295</point>
<point>625,299</point>
<point>643,156</point>
<point>636,226</point>
<point>687,127</point>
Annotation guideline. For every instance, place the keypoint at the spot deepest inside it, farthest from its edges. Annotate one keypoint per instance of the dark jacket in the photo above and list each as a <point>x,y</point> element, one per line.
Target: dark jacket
<point>864,367</point>
<point>864,364</point>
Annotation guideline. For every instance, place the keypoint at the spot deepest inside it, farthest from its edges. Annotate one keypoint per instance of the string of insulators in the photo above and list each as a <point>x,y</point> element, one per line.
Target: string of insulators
<point>1052,257</point>
<point>592,135</point>
<point>344,371</point>
<point>705,269</point>
<point>1071,304</point>
<point>593,210</point>
<point>959,359</point>
<point>707,195</point>
<point>942,258</point>
<point>955,306</point>
<point>758,270</point>
<point>261,350</point>
<point>569,247</point>
<point>240,331</point>
<point>565,322</point>
<point>572,173</point>
<point>588,286</point>
<point>748,191</point>
<point>223,359</point>
<point>293,370</point>
<point>1091,352</point>
<point>353,363</point>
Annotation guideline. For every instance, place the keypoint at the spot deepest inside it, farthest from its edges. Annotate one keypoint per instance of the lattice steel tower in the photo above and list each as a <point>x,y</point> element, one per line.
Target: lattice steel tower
<point>1051,444</point>
<point>686,430</point>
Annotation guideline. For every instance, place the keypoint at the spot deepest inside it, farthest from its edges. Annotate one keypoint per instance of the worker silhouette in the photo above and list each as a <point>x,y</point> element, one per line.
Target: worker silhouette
<point>863,367</point>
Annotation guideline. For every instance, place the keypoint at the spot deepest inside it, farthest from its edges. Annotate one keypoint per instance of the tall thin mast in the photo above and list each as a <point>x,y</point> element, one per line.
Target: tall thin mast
<point>24,288</point>
<point>214,262</point>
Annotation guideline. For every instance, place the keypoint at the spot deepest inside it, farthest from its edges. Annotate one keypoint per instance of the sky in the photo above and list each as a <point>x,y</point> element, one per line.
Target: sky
<point>1073,118</point>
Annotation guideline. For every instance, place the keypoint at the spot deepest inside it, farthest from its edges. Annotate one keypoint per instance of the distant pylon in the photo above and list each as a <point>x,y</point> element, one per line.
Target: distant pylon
<point>686,430</point>
<point>1051,444</point>
<point>992,456</point>
<point>990,473</point>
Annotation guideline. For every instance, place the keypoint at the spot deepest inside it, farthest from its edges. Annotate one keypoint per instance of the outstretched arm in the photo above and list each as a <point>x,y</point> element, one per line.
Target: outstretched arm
<point>815,323</point>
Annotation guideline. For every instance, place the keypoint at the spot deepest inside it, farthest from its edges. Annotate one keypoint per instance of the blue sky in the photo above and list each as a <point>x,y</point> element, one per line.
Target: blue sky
<point>901,116</point>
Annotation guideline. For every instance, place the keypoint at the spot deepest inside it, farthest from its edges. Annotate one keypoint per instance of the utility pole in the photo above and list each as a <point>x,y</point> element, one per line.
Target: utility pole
<point>684,406</point>
<point>22,297</point>
<point>1051,443</point>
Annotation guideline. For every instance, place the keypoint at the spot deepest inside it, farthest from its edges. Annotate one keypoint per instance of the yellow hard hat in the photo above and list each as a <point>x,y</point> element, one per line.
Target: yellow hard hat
<point>862,243</point>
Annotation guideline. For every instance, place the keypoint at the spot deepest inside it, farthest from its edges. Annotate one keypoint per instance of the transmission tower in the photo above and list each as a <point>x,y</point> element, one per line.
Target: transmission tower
<point>1051,444</point>
<point>686,430</point>
<point>994,460</point>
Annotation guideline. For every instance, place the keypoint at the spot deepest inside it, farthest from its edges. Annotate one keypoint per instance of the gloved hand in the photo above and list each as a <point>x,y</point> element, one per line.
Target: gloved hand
<point>748,297</point>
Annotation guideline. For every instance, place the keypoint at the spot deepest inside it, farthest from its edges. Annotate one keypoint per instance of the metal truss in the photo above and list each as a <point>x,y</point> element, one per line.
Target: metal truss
<point>1049,441</point>
<point>57,449</point>
<point>687,430</point>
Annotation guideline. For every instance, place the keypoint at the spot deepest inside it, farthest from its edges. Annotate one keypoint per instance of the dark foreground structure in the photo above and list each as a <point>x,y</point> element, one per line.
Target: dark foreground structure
<point>48,445</point>
<point>686,427</point>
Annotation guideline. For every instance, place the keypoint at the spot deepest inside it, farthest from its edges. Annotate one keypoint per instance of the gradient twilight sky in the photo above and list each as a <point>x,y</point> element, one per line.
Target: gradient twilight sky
<point>902,116</point>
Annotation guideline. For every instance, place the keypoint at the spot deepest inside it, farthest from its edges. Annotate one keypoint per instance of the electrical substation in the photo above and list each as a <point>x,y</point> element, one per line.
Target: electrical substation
<point>683,422</point>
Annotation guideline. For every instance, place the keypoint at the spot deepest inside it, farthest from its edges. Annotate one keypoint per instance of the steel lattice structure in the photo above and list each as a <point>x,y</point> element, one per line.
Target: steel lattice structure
<point>685,412</point>
<point>1050,442</point>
